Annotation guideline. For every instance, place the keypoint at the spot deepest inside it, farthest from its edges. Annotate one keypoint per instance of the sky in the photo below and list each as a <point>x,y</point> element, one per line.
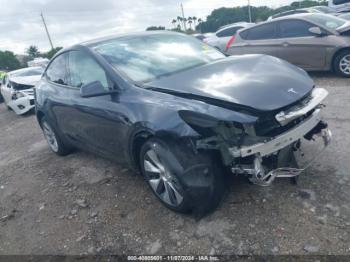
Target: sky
<point>73,21</point>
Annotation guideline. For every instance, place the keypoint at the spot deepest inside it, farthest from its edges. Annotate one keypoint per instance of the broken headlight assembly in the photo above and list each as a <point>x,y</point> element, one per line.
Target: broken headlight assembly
<point>17,94</point>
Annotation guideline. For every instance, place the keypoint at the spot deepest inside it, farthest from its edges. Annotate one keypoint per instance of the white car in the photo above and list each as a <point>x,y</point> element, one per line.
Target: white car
<point>222,36</point>
<point>340,5</point>
<point>17,89</point>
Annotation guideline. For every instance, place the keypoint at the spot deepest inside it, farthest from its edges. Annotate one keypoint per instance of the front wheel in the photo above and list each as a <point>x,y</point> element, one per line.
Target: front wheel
<point>53,139</point>
<point>342,63</point>
<point>182,181</point>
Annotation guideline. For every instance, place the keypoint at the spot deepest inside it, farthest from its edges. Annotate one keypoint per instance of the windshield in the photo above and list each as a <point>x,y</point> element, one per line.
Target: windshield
<point>144,58</point>
<point>328,21</point>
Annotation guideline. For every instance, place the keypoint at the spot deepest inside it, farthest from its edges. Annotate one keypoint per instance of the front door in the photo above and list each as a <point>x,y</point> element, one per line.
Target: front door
<point>300,47</point>
<point>96,122</point>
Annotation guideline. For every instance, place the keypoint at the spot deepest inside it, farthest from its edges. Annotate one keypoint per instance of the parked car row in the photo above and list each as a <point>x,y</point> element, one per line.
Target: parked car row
<point>315,9</point>
<point>312,41</point>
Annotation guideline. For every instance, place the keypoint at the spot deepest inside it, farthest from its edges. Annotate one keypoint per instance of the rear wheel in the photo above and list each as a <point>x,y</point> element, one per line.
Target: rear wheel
<point>53,139</point>
<point>180,185</point>
<point>342,63</point>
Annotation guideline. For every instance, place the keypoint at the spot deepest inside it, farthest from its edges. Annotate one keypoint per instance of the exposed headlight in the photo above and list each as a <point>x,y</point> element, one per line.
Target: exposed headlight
<point>210,126</point>
<point>17,95</point>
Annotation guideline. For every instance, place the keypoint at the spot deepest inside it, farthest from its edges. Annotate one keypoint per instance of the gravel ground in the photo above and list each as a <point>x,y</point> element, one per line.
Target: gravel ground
<point>81,204</point>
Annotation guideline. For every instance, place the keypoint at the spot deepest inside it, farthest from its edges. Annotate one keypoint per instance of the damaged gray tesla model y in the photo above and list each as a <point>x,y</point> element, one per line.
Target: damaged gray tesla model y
<point>180,112</point>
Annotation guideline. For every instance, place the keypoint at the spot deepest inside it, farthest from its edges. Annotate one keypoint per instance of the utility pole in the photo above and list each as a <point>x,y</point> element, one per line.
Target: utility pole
<point>249,12</point>
<point>47,31</point>
<point>183,17</point>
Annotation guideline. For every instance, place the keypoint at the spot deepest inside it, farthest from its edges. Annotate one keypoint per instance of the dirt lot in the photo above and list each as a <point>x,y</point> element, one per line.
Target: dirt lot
<point>81,204</point>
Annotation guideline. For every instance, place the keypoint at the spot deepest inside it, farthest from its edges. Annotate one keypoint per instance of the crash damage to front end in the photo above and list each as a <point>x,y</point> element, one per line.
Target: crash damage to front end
<point>22,98</point>
<point>256,110</point>
<point>265,149</point>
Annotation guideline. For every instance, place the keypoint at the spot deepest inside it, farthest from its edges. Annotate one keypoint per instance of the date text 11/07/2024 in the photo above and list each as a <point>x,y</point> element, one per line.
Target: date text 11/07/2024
<point>173,258</point>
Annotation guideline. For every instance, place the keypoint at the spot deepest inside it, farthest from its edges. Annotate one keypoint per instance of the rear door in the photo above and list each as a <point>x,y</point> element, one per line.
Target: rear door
<point>300,47</point>
<point>260,39</point>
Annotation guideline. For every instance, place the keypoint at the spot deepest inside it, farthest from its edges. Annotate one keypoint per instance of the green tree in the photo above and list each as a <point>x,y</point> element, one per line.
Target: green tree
<point>33,51</point>
<point>52,52</point>
<point>174,21</point>
<point>179,20</point>
<point>8,61</point>
<point>189,21</point>
<point>200,21</point>
<point>194,19</point>
<point>223,16</point>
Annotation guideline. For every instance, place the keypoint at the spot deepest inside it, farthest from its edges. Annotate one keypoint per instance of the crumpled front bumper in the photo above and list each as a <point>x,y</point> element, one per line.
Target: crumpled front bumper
<point>277,143</point>
<point>257,172</point>
<point>22,105</point>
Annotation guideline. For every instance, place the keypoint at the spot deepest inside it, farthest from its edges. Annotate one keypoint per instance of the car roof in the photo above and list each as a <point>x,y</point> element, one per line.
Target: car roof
<point>98,40</point>
<point>303,16</point>
<point>234,24</point>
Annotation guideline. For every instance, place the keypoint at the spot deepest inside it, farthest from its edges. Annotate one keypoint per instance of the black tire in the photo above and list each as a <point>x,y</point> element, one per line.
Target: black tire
<point>58,146</point>
<point>199,191</point>
<point>338,64</point>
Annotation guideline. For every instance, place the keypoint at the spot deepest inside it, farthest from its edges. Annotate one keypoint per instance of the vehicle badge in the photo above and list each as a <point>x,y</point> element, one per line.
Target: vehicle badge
<point>291,90</point>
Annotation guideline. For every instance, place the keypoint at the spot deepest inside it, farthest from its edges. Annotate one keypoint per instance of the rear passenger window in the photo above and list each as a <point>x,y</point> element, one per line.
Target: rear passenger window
<point>57,72</point>
<point>261,32</point>
<point>294,28</point>
<point>228,32</point>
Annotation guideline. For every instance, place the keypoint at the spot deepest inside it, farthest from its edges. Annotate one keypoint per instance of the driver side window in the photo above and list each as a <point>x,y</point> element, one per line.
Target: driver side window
<point>83,69</point>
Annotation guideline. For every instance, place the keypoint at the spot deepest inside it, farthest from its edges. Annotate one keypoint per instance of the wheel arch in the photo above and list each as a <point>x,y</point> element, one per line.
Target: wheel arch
<point>336,54</point>
<point>138,140</point>
<point>39,116</point>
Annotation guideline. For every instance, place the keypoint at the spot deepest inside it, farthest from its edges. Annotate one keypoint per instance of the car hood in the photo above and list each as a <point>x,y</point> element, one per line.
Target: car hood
<point>259,82</point>
<point>26,80</point>
<point>345,27</point>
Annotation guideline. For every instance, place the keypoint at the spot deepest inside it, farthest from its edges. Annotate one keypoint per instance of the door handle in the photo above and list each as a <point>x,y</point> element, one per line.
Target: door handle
<point>285,44</point>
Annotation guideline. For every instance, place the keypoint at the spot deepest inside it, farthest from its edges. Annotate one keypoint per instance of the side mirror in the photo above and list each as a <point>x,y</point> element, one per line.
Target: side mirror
<point>316,31</point>
<point>93,89</point>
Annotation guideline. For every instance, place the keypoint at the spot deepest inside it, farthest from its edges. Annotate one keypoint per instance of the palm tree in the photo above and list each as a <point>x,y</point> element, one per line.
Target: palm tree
<point>184,20</point>
<point>194,21</point>
<point>189,20</point>
<point>200,21</point>
<point>179,20</point>
<point>174,22</point>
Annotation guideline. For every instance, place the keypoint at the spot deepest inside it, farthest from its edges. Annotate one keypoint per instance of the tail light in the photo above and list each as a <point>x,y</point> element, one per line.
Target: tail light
<point>230,42</point>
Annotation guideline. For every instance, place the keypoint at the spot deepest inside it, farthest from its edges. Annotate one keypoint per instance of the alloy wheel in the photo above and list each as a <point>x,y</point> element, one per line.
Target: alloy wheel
<point>50,136</point>
<point>161,180</point>
<point>344,64</point>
